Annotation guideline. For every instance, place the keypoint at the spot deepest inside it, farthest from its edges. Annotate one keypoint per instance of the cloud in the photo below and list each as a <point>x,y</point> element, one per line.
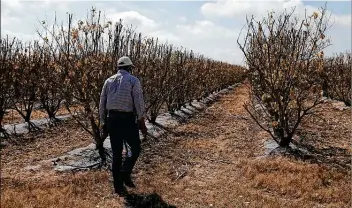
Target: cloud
<point>210,28</point>
<point>342,20</point>
<point>239,9</point>
<point>212,40</point>
<point>19,35</point>
<point>165,36</point>
<point>9,12</point>
<point>147,26</point>
<point>182,19</point>
<point>206,29</point>
<point>9,20</point>
<point>12,5</point>
<point>236,8</point>
<point>143,23</point>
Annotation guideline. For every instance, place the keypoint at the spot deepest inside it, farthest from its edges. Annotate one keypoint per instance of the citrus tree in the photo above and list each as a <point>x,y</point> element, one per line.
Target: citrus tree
<point>26,69</point>
<point>84,57</point>
<point>284,53</point>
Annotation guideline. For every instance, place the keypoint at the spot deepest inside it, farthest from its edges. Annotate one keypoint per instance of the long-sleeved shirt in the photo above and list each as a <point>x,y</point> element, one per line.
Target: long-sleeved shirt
<point>122,92</point>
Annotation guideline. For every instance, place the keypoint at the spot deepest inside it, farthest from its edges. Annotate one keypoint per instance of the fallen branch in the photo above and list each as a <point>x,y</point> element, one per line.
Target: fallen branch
<point>181,175</point>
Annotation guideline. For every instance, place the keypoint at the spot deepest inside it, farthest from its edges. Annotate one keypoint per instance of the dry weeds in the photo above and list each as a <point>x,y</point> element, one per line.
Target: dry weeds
<point>212,161</point>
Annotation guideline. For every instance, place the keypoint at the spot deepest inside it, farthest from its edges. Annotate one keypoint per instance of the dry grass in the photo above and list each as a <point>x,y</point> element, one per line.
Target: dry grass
<point>212,161</point>
<point>31,148</point>
<point>330,127</point>
<point>86,189</point>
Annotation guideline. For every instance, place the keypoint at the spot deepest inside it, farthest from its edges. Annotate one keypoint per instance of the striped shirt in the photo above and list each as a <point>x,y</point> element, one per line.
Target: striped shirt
<point>122,92</point>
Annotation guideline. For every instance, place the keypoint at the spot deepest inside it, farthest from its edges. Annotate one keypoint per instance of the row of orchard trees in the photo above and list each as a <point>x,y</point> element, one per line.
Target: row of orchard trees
<point>70,63</point>
<point>287,70</point>
<point>336,77</point>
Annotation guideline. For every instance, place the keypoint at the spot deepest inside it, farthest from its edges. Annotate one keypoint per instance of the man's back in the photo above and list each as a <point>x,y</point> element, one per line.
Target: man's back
<point>123,92</point>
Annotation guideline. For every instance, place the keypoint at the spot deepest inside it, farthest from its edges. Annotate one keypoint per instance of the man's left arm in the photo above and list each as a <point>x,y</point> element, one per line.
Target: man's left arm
<point>139,100</point>
<point>139,105</point>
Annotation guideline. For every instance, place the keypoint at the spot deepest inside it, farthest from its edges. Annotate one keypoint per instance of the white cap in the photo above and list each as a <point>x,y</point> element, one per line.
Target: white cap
<point>124,61</point>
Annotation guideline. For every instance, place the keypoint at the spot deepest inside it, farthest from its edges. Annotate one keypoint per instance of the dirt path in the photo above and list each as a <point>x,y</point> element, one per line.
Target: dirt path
<point>212,161</point>
<point>217,155</point>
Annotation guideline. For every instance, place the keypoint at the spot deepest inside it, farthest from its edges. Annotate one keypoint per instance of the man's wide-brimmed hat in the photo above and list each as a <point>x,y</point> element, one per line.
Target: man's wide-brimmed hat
<point>124,61</point>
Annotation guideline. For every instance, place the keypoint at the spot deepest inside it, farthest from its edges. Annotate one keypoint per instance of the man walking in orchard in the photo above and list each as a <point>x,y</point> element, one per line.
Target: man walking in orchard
<point>122,111</point>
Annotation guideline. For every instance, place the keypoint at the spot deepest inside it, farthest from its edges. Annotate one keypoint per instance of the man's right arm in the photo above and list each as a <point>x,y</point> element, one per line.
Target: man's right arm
<point>102,104</point>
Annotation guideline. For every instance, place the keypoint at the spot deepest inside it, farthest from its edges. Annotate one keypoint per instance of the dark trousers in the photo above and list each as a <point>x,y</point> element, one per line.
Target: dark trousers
<point>123,127</point>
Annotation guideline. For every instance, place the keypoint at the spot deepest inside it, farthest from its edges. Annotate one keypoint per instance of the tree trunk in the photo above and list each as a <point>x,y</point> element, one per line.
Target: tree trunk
<point>99,141</point>
<point>2,130</point>
<point>27,119</point>
<point>51,113</point>
<point>285,141</point>
<point>99,145</point>
<point>2,113</point>
<point>101,150</point>
<point>169,108</point>
<point>325,88</point>
<point>153,119</point>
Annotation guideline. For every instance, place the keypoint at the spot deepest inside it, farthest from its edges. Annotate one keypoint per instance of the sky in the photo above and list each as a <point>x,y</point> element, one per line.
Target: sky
<point>207,27</point>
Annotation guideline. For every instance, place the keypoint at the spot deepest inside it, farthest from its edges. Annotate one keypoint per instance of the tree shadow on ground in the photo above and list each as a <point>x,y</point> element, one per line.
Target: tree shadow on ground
<point>211,100</point>
<point>195,108</point>
<point>153,200</point>
<point>164,132</point>
<point>163,127</point>
<point>180,119</point>
<point>188,114</point>
<point>331,156</point>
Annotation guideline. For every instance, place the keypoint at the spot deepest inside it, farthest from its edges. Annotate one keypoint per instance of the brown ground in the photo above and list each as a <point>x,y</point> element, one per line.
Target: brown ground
<point>13,117</point>
<point>212,161</point>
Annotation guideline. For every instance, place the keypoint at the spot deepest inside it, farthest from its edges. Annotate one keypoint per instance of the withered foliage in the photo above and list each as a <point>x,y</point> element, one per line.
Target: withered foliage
<point>71,62</point>
<point>336,77</point>
<point>284,54</point>
<point>7,53</point>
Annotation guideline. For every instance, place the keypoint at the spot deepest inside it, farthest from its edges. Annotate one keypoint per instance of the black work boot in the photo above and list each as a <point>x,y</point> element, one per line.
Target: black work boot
<point>120,189</point>
<point>126,177</point>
